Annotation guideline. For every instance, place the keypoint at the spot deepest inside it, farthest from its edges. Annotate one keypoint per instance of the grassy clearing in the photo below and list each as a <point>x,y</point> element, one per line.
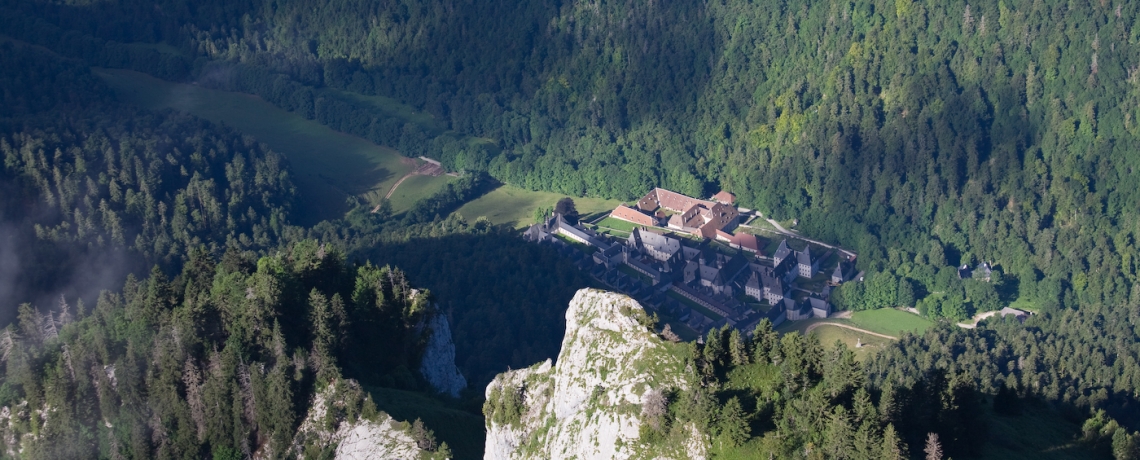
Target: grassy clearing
<point>328,166</point>
<point>160,47</point>
<point>617,224</point>
<point>515,206</point>
<point>868,344</point>
<point>462,431</point>
<point>889,321</point>
<point>801,326</point>
<point>394,108</point>
<point>1024,304</point>
<point>416,188</point>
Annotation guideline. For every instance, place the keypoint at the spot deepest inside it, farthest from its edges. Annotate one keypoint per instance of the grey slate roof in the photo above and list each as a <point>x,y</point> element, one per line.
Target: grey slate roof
<point>782,252</point>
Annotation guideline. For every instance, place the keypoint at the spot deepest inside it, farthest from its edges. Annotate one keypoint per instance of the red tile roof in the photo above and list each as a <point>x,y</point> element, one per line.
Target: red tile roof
<point>629,214</point>
<point>746,241</point>
<point>670,200</point>
<point>725,197</point>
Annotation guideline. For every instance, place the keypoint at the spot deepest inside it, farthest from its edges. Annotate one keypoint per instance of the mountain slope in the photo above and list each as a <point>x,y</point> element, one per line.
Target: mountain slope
<point>589,405</point>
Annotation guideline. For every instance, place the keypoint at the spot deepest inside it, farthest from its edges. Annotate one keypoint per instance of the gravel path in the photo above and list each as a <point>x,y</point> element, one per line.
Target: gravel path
<point>876,334</point>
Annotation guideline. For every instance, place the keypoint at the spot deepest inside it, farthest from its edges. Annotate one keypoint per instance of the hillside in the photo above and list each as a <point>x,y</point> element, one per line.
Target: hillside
<point>619,390</point>
<point>191,211</point>
<point>1002,130</point>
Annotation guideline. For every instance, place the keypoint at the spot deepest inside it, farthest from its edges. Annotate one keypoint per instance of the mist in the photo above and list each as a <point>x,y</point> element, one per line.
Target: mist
<point>39,272</point>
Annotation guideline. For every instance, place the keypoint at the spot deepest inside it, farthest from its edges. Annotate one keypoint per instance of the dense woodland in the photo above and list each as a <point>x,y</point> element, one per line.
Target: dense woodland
<point>167,188</point>
<point>1078,359</point>
<point>86,178</point>
<point>219,361</point>
<point>1002,130</point>
<point>923,137</point>
<point>790,396</point>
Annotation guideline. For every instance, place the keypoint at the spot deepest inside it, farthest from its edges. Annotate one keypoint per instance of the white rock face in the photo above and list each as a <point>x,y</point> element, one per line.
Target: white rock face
<point>438,364</point>
<point>371,440</point>
<point>589,404</point>
<point>383,437</point>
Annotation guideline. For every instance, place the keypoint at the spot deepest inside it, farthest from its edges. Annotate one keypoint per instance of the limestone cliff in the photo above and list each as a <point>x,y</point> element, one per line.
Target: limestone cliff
<point>589,404</point>
<point>329,425</point>
<point>438,363</point>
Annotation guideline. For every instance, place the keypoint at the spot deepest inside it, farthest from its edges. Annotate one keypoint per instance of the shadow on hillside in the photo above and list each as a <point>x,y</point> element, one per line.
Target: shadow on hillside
<point>657,56</point>
<point>506,299</point>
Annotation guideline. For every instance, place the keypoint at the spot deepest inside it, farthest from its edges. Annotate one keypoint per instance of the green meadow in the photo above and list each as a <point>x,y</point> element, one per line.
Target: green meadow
<point>862,344</point>
<point>514,206</point>
<point>889,321</point>
<point>328,166</point>
<point>413,189</point>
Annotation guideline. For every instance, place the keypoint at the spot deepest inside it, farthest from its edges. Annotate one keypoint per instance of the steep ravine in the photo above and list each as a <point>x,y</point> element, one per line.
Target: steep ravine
<point>589,404</point>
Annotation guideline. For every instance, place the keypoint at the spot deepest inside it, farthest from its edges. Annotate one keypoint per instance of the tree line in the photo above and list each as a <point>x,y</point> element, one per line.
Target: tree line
<point>87,178</point>
<point>222,360</point>
<point>1002,130</point>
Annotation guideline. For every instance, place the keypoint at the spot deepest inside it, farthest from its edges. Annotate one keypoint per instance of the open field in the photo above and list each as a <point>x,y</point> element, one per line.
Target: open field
<point>829,334</point>
<point>1024,304</point>
<point>889,321</point>
<point>416,188</point>
<point>328,166</point>
<point>515,206</point>
<point>616,224</point>
<point>394,108</point>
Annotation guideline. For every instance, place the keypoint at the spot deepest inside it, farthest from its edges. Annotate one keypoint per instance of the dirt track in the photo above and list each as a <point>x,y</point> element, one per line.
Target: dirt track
<point>876,334</point>
<point>426,169</point>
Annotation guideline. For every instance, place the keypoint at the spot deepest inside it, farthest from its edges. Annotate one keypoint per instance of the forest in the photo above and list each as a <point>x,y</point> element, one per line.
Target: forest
<point>86,178</point>
<point>912,134</point>
<point>221,361</point>
<point>922,136</point>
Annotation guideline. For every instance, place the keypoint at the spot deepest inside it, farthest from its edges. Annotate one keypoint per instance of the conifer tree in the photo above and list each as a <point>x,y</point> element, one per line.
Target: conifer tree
<point>893,447</point>
<point>764,341</point>
<point>933,448</point>
<point>732,423</point>
<point>737,348</point>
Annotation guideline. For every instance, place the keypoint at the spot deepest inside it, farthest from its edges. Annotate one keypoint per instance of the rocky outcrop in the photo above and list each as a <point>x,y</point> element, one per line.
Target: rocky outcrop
<point>438,364</point>
<point>589,404</point>
<point>385,438</point>
<point>376,436</point>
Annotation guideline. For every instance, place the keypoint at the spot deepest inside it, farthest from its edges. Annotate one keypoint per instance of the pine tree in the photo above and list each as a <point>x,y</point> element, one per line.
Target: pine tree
<point>889,405</point>
<point>1124,445</point>
<point>714,348</point>
<point>893,447</point>
<point>905,293</point>
<point>864,409</point>
<point>764,341</point>
<point>737,348</point>
<point>732,423</point>
<point>933,448</point>
<point>837,440</point>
